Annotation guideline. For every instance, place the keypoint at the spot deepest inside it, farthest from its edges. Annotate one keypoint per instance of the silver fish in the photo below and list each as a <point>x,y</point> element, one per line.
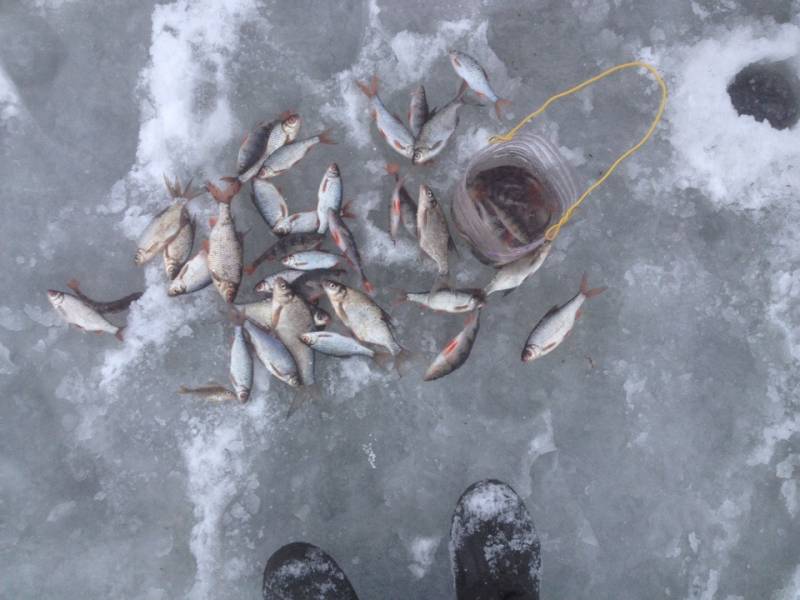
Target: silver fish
<point>193,276</point>
<point>287,245</point>
<point>512,275</point>
<point>300,222</point>
<point>475,77</point>
<point>311,260</point>
<point>110,306</point>
<point>166,224</point>
<point>417,110</point>
<point>212,392</point>
<point>335,344</point>
<point>329,196</point>
<point>344,240</point>
<point>269,201</point>
<point>241,369</point>
<point>273,354</point>
<point>436,131</point>
<point>253,151</point>
<point>285,157</point>
<point>291,317</point>
<point>447,300</point>
<point>259,312</point>
<point>402,208</point>
<point>390,127</point>
<point>362,316</point>
<point>434,234</point>
<point>456,352</point>
<point>288,275</point>
<point>177,252</point>
<point>285,133</point>
<point>554,327</point>
<point>224,245</point>
<point>77,312</point>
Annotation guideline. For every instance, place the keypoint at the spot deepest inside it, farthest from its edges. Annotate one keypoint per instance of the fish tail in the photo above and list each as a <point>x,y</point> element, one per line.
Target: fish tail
<point>325,137</point>
<point>224,196</point>
<point>462,89</point>
<point>370,90</point>
<point>346,212</point>
<point>306,394</point>
<point>119,334</point>
<point>590,293</point>
<point>236,316</point>
<point>184,390</point>
<point>499,105</point>
<point>250,269</point>
<point>368,287</point>
<point>393,169</point>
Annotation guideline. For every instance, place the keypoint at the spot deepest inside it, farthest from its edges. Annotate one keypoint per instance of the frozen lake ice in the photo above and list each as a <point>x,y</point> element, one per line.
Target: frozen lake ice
<point>657,450</point>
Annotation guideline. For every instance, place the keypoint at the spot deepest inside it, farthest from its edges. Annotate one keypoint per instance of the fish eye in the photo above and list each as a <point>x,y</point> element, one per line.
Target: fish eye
<point>429,194</point>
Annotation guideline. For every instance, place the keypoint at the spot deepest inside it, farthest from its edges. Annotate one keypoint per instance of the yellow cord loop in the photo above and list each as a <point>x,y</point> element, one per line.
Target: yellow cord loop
<point>554,230</point>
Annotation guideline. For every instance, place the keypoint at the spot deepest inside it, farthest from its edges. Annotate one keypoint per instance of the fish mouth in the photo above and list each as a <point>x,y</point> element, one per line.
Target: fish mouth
<point>530,353</point>
<point>244,395</point>
<point>306,339</point>
<point>55,296</point>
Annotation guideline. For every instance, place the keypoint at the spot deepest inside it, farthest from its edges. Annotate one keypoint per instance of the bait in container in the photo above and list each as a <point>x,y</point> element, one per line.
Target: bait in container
<point>510,194</point>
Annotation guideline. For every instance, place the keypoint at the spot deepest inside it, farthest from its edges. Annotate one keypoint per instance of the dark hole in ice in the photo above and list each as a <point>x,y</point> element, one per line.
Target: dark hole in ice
<point>767,91</point>
<point>513,202</point>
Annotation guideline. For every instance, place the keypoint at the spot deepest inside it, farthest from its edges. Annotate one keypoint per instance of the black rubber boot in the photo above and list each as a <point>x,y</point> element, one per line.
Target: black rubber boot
<point>300,571</point>
<point>494,549</point>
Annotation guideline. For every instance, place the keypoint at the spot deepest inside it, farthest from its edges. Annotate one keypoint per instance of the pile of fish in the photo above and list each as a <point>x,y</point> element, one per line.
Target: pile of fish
<point>286,328</point>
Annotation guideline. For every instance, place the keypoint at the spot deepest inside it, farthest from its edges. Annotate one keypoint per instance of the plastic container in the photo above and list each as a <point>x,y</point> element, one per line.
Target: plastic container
<point>509,195</point>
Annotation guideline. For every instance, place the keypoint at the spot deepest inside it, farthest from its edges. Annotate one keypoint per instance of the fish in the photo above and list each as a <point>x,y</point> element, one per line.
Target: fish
<point>554,327</point>
<point>224,244</point>
<point>475,77</point>
<point>417,110</point>
<point>110,306</point>
<point>177,252</point>
<point>285,157</point>
<point>344,240</point>
<point>259,312</point>
<point>433,232</point>
<point>253,151</point>
<point>306,281</point>
<point>367,321</point>
<point>285,133</point>
<point>193,276</point>
<point>273,354</point>
<point>511,276</point>
<point>269,201</point>
<point>311,260</point>
<point>77,312</point>
<point>300,222</point>
<point>329,196</point>
<point>166,224</point>
<point>511,229</point>
<point>335,344</point>
<point>296,242</point>
<point>288,275</point>
<point>291,317</point>
<point>241,368</point>
<point>390,127</point>
<point>447,300</point>
<point>457,351</point>
<point>402,208</point>
<point>436,131</point>
<point>212,392</point>
<point>321,318</point>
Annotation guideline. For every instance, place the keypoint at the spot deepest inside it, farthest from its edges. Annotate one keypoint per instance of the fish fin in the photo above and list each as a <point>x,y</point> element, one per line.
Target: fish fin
<point>590,293</point>
<point>236,316</point>
<point>451,245</point>
<point>174,189</point>
<point>578,314</point>
<point>393,169</point>
<point>306,394</point>
<point>442,282</point>
<point>325,137</point>
<point>276,315</point>
<point>507,292</point>
<point>224,196</point>
<point>499,105</point>
<point>402,361</point>
<point>286,114</point>
<point>553,309</point>
<point>370,89</point>
<point>462,89</point>
<point>120,334</point>
<point>74,285</point>
<point>205,245</point>
<point>346,212</point>
<point>249,269</point>
<point>212,221</point>
<point>367,285</point>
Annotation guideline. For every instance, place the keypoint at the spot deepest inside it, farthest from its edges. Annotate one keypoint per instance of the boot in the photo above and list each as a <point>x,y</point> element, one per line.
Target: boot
<point>300,571</point>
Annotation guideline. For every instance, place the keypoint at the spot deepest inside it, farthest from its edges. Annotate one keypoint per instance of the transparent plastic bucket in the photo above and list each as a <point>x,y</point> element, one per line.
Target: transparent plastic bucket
<point>552,185</point>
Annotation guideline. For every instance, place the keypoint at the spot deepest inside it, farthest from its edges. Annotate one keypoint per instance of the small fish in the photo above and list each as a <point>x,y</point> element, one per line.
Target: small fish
<point>288,275</point>
<point>436,131</point>
<point>285,157</point>
<point>224,244</point>
<point>344,240</point>
<point>259,312</point>
<point>434,234</point>
<point>456,352</point>
<point>253,151</point>
<point>311,260</point>
<point>321,318</point>
<point>512,275</point>
<point>554,327</point>
<point>269,201</point>
<point>362,316</point>
<point>177,252</point>
<point>329,196</point>
<point>273,354</point>
<point>291,317</point>
<point>447,300</point>
<point>390,127</point>
<point>193,276</point>
<point>212,392</point>
<point>300,222</point>
<point>402,208</point>
<point>77,312</point>
<point>285,133</point>
<point>335,344</point>
<point>166,224</point>
<point>475,77</point>
<point>111,306</point>
<point>512,230</point>
<point>241,369</point>
<point>417,110</point>
<point>290,244</point>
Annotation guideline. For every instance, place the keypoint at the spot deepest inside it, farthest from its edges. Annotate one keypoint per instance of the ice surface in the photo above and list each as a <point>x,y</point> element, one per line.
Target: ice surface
<point>657,450</point>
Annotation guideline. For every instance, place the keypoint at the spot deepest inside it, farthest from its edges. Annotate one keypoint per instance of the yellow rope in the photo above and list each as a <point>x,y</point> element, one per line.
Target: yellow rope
<point>554,230</point>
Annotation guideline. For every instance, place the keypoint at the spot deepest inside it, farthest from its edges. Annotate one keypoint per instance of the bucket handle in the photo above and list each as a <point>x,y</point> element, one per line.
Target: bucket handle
<point>554,230</point>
